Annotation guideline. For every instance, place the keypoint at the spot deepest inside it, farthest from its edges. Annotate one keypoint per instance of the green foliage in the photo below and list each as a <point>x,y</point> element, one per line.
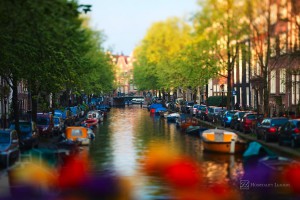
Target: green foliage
<point>44,42</point>
<point>222,24</point>
<point>216,101</point>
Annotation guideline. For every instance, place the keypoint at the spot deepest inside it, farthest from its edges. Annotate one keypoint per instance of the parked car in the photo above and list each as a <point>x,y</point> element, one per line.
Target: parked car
<point>29,134</point>
<point>221,113</point>
<point>236,120</point>
<point>213,113</point>
<point>249,120</point>
<point>290,133</point>
<point>9,147</point>
<point>45,124</point>
<point>198,110</point>
<point>268,128</point>
<point>194,109</point>
<point>203,113</point>
<point>226,117</point>
<point>186,107</point>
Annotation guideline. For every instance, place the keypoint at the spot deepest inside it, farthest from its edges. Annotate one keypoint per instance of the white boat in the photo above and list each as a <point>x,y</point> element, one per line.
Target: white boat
<point>173,117</point>
<point>95,114</point>
<point>222,141</point>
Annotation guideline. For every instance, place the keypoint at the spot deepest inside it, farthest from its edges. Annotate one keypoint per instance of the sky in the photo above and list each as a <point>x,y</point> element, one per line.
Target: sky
<point>125,22</point>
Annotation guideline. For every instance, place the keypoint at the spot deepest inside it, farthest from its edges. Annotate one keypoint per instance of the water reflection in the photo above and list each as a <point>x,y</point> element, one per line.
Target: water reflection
<point>125,136</point>
<point>138,156</point>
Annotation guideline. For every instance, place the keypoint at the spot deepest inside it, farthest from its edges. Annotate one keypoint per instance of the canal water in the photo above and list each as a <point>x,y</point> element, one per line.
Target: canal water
<point>125,136</point>
<point>150,159</point>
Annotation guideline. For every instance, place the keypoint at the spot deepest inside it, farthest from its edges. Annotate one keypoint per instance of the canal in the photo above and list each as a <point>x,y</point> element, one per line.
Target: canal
<point>127,134</point>
<point>137,156</point>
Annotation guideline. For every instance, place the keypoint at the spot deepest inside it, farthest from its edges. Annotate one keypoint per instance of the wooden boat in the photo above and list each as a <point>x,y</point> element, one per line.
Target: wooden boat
<point>193,130</point>
<point>77,133</point>
<point>222,141</point>
<point>187,123</point>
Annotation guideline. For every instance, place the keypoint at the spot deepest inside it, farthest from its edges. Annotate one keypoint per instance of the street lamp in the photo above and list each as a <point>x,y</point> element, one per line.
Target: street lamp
<point>222,89</point>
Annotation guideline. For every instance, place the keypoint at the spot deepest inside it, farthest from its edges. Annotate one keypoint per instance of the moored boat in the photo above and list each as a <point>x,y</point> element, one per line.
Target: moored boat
<point>187,123</point>
<point>276,163</point>
<point>160,111</point>
<point>173,117</point>
<point>222,141</point>
<point>90,122</point>
<point>77,134</point>
<point>193,130</point>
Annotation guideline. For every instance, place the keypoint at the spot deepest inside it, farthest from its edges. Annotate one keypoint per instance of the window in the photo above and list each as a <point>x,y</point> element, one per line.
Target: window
<point>273,13</point>
<point>282,80</point>
<point>247,95</point>
<point>273,46</point>
<point>273,82</point>
<point>295,89</point>
<point>283,12</point>
<point>234,74</point>
<point>282,43</point>
<point>247,72</point>
<point>240,66</point>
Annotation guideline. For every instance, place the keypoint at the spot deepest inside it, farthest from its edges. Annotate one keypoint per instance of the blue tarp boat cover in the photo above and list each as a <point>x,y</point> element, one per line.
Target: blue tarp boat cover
<point>60,113</point>
<point>156,105</point>
<point>160,109</point>
<point>255,149</point>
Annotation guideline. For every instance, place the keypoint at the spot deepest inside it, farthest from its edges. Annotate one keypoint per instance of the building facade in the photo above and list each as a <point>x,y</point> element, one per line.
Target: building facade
<point>282,61</point>
<point>124,75</point>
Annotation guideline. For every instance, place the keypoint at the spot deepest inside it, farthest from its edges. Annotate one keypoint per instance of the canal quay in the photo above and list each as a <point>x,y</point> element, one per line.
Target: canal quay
<point>153,159</point>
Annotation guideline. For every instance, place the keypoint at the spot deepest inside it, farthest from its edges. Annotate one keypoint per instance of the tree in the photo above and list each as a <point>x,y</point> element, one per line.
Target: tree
<point>154,68</point>
<point>223,24</point>
<point>45,45</point>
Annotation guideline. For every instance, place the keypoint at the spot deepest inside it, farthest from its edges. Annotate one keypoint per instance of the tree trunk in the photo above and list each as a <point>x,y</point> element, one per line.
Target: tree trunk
<point>15,104</point>
<point>229,93</point>
<point>195,95</point>
<point>34,103</point>
<point>266,95</point>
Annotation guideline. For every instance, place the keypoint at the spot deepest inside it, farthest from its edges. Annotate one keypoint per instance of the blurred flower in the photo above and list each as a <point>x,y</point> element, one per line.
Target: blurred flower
<point>158,157</point>
<point>183,173</point>
<point>35,173</point>
<point>292,176</point>
<point>75,171</point>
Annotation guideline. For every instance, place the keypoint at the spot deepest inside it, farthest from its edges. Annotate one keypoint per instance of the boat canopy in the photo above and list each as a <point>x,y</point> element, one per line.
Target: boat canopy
<point>156,105</point>
<point>255,149</point>
<point>161,109</point>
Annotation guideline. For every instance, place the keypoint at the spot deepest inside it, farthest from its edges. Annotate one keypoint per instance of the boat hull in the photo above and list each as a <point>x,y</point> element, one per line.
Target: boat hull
<point>90,122</point>
<point>224,147</point>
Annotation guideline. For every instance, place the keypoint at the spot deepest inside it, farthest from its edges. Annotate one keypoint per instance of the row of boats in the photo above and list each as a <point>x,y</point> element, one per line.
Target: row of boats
<point>216,140</point>
<point>68,142</point>
<point>223,141</point>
